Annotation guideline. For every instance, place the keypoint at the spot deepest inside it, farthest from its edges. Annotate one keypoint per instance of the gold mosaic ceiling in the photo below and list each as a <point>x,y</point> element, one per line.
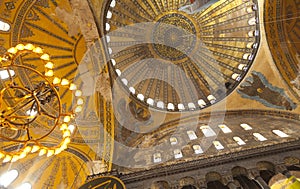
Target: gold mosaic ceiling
<point>175,61</point>
<point>219,47</point>
<point>35,22</point>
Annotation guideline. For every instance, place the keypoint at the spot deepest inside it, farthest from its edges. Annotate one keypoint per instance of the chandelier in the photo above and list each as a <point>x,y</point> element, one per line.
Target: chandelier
<point>25,107</point>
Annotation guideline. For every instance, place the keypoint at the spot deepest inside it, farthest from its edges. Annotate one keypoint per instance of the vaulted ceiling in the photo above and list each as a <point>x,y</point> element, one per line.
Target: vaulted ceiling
<point>151,74</point>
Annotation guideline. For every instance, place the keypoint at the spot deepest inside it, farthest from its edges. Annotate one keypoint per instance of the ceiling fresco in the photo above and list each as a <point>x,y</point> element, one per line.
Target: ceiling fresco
<point>40,23</point>
<point>161,86</point>
<point>282,31</point>
<point>174,61</point>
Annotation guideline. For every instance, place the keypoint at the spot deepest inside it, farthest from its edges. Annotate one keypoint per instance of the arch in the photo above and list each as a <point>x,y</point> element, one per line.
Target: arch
<point>266,170</point>
<point>189,187</point>
<point>279,180</point>
<point>291,160</point>
<point>292,163</point>
<point>214,181</point>
<point>186,182</point>
<point>239,171</point>
<point>213,176</point>
<point>216,185</point>
<point>4,26</point>
<point>160,185</point>
<point>240,174</point>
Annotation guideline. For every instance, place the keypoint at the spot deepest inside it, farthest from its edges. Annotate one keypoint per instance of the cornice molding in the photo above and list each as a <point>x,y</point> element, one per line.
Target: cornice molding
<point>210,162</point>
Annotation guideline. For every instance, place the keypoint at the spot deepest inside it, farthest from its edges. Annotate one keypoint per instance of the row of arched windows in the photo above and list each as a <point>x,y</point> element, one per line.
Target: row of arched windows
<point>209,132</point>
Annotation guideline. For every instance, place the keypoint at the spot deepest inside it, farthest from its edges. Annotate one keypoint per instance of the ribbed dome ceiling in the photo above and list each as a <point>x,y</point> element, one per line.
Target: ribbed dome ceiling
<point>175,61</point>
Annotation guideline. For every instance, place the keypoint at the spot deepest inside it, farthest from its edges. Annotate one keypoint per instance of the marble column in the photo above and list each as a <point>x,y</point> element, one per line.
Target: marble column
<point>254,174</point>
<point>202,184</point>
<point>231,183</point>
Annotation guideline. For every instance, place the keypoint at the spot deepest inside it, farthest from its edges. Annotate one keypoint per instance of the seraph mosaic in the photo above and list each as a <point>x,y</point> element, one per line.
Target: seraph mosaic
<point>257,87</point>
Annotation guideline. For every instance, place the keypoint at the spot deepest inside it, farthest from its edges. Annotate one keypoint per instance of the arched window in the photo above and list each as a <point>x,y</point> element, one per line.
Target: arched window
<point>173,140</point>
<point>150,101</point>
<point>280,133</point>
<point>211,99</point>
<point>259,137</point>
<point>4,26</point>
<point>5,74</point>
<point>207,131</point>
<point>113,3</point>
<point>8,177</point>
<point>224,128</point>
<point>178,154</point>
<point>192,135</point>
<point>171,106</point>
<point>109,14</point>
<point>160,105</point>
<point>197,149</point>
<point>107,26</point>
<point>245,126</point>
<point>157,157</point>
<point>218,145</point>
<point>141,97</point>
<point>239,140</point>
<point>25,186</point>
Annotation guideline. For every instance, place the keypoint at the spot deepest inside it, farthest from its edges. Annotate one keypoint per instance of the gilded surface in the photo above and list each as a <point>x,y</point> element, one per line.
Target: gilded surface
<point>174,43</point>
<point>281,21</point>
<point>176,59</point>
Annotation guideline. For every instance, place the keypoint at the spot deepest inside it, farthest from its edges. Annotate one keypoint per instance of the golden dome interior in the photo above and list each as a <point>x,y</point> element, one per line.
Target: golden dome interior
<point>161,87</point>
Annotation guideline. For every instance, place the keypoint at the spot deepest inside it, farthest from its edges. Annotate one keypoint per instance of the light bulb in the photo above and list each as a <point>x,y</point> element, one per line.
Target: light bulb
<point>22,155</point>
<point>15,158</point>
<point>42,152</point>
<point>63,127</point>
<point>38,50</point>
<point>35,148</point>
<point>27,149</point>
<point>57,151</point>
<point>2,155</point>
<point>78,109</point>
<point>7,158</point>
<point>49,65</point>
<point>64,82</point>
<point>29,47</point>
<point>56,81</point>
<point>31,113</point>
<point>50,153</point>
<point>49,73</point>
<point>78,93</point>
<point>45,57</point>
<point>12,50</point>
<point>64,146</point>
<point>79,101</point>
<point>67,119</point>
<point>20,47</point>
<point>73,87</point>
<point>67,140</point>
<point>66,133</point>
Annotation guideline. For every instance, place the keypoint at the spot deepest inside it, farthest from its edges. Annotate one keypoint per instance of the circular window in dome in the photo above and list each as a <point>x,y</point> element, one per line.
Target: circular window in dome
<point>176,56</point>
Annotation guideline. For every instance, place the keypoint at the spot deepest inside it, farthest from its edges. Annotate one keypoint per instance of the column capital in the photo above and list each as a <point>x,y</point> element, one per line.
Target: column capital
<point>202,184</point>
<point>281,168</point>
<point>253,173</point>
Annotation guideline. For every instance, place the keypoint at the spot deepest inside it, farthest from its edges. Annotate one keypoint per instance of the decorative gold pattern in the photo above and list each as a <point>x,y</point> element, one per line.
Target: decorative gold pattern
<point>17,98</point>
<point>174,61</point>
<point>174,43</point>
<point>281,21</point>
